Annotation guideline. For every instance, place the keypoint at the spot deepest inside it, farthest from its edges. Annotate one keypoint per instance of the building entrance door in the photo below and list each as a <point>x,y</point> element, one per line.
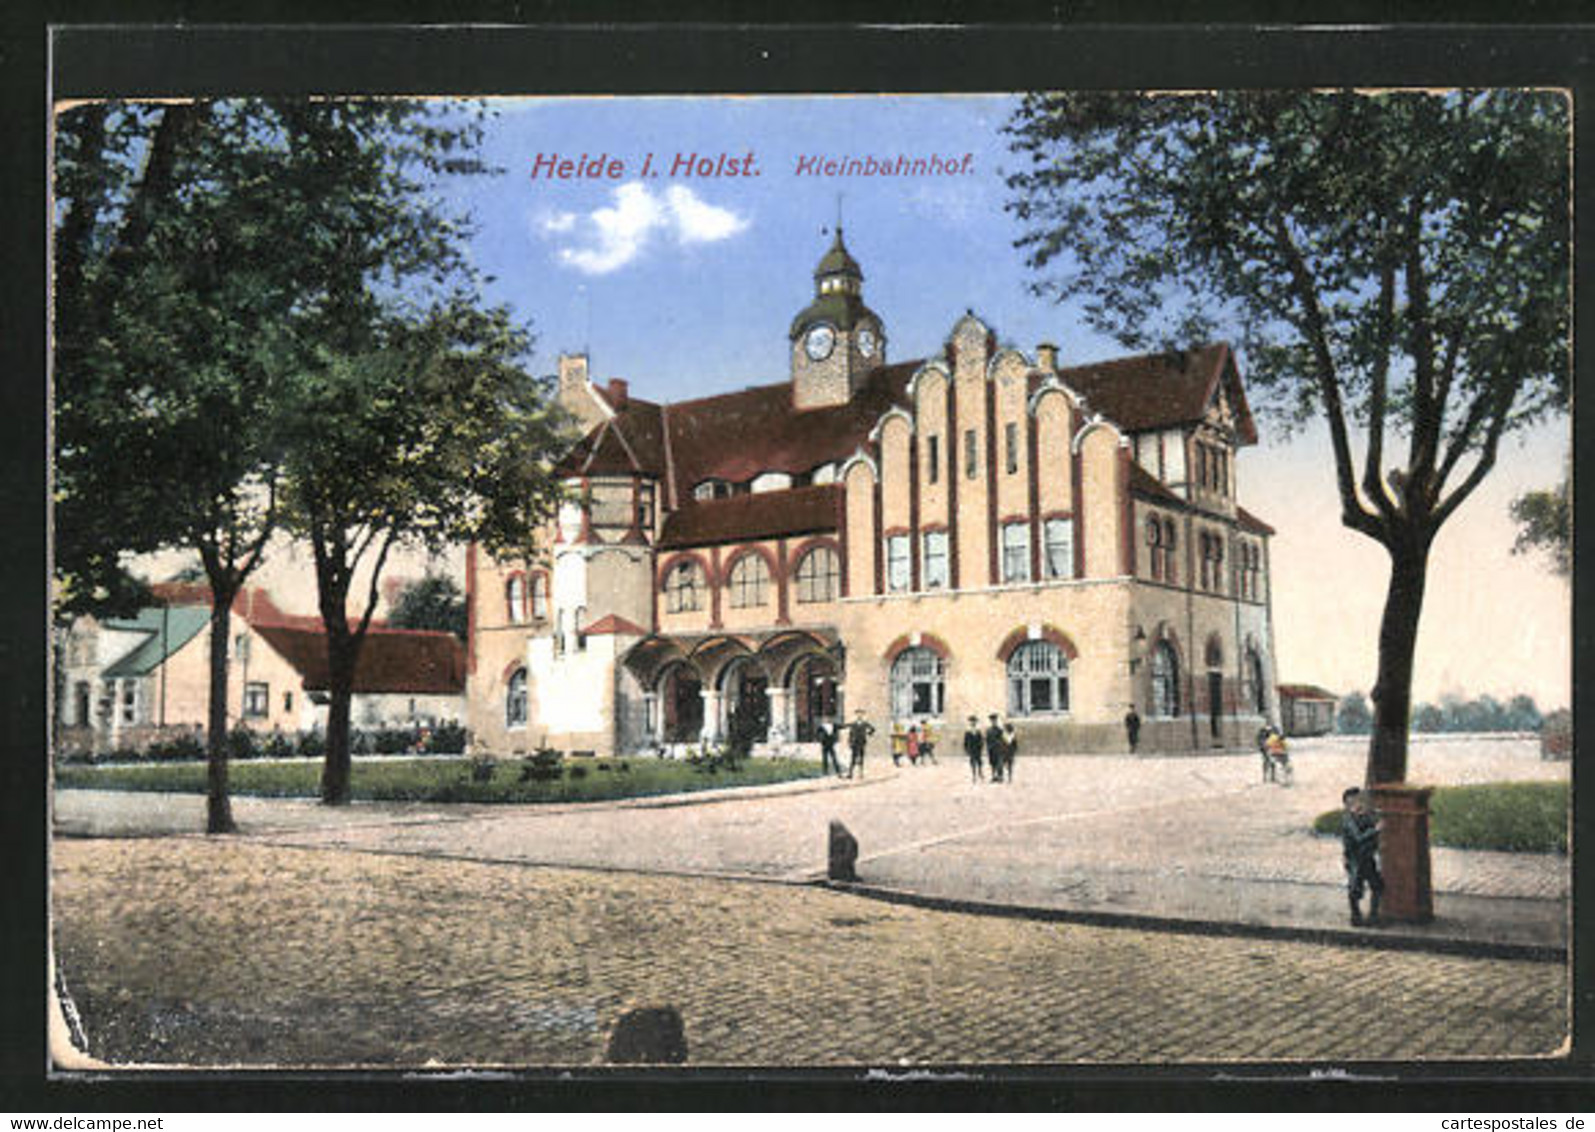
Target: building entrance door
<point>1215,703</point>
<point>683,707</point>
<point>752,705</point>
<point>815,688</point>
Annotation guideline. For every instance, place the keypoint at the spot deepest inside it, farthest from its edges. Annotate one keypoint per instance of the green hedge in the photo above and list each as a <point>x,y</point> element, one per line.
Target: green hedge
<point>450,780</point>
<point>1523,817</point>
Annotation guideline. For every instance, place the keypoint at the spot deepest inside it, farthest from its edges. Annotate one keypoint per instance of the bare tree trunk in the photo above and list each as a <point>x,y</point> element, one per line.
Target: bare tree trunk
<point>218,806</point>
<point>343,651</point>
<point>1398,639</point>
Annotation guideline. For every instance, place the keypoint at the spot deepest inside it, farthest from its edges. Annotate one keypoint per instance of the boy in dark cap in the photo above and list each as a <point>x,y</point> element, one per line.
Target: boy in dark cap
<point>1359,842</point>
<point>972,747</point>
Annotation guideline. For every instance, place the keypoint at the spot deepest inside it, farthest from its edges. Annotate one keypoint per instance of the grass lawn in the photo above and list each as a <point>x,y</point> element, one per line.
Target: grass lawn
<point>1526,817</point>
<point>444,780</point>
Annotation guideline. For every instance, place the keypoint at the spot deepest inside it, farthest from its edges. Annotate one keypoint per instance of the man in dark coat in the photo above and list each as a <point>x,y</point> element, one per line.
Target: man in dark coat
<point>995,755</point>
<point>1010,751</point>
<point>1132,727</point>
<point>973,744</point>
<point>858,733</point>
<point>828,763</point>
<point>1359,841</point>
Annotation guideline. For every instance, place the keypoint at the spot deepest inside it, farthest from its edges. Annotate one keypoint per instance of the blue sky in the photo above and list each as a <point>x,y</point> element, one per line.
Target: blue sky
<point>729,261</point>
<point>686,286</point>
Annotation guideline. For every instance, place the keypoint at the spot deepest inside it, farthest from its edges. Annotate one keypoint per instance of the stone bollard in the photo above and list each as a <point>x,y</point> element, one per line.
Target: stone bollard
<point>1404,852</point>
<point>844,854</point>
<point>650,1035</point>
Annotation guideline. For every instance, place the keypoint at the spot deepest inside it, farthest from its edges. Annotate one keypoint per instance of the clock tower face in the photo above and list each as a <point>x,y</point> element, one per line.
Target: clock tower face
<point>867,343</point>
<point>819,342</point>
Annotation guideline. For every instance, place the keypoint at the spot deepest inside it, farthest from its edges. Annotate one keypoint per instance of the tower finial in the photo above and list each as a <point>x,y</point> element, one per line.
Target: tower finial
<point>838,214</point>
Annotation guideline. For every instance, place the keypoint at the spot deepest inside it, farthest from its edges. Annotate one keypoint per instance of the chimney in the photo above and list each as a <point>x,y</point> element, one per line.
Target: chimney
<point>619,392</point>
<point>1047,357</point>
<point>572,372</point>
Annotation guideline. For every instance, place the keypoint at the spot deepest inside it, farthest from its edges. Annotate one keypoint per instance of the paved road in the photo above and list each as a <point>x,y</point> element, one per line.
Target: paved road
<point>188,951</point>
<point>402,934</point>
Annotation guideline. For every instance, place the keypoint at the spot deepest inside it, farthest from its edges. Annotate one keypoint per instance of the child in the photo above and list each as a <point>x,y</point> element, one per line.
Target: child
<point>1359,842</point>
<point>913,745</point>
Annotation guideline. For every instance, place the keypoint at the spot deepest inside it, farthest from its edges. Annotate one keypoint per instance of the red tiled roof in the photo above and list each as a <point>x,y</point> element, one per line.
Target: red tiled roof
<point>252,603</point>
<point>1306,692</point>
<point>765,514</point>
<point>614,625</point>
<point>391,660</point>
<point>1252,522</point>
<point>1161,390</point>
<point>736,436</point>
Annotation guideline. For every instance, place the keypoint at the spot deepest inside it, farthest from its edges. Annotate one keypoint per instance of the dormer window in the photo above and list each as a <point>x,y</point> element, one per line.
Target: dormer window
<point>712,489</point>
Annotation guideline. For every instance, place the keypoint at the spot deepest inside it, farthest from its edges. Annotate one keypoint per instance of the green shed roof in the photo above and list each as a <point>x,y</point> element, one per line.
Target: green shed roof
<point>182,623</point>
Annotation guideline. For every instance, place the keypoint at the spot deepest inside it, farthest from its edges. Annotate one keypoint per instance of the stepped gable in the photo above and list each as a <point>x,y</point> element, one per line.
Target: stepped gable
<point>735,436</point>
<point>759,515</point>
<point>1164,390</point>
<point>415,661</point>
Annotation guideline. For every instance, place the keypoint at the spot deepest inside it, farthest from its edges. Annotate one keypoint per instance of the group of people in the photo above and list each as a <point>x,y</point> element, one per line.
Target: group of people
<point>858,733</point>
<point>1276,759</point>
<point>997,746</point>
<point>915,744</point>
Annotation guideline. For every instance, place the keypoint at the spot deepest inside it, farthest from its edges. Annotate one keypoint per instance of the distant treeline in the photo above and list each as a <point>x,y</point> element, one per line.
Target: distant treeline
<point>1520,713</point>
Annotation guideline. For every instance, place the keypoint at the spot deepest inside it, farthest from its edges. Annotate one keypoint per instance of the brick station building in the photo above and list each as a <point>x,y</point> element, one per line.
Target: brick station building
<point>971,532</point>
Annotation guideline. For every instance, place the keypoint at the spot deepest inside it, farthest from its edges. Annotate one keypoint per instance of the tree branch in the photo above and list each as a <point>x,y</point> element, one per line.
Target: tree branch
<point>1373,473</point>
<point>1502,405</point>
<point>1353,514</point>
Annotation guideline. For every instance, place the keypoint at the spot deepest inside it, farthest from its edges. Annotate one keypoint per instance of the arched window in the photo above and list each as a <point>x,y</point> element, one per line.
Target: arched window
<point>1038,679</point>
<point>539,597</point>
<point>515,700</point>
<point>817,575</point>
<point>750,582</point>
<point>1154,539</point>
<point>515,598</point>
<point>1165,680</point>
<point>1169,543</point>
<point>1254,669</point>
<point>917,686</point>
<point>684,587</point>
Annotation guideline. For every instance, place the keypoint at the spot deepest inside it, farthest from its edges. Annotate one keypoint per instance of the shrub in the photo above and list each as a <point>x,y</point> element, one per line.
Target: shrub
<point>578,771</point>
<point>448,739</point>
<point>278,746</point>
<point>312,745</point>
<point>179,748</point>
<point>543,766</point>
<point>241,744</point>
<point>482,768</point>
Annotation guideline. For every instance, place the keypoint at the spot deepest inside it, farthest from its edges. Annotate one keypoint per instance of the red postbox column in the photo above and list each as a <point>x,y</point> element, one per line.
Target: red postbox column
<point>1404,851</point>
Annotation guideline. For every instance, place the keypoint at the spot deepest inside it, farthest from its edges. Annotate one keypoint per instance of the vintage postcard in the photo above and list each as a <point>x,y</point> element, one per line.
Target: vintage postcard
<point>866,583</point>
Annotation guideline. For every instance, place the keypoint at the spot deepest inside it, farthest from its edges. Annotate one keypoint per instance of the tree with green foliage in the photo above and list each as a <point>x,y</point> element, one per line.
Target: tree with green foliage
<point>1545,523</point>
<point>176,301</point>
<point>432,602</point>
<point>1396,262</point>
<point>411,421</point>
<point>1353,716</point>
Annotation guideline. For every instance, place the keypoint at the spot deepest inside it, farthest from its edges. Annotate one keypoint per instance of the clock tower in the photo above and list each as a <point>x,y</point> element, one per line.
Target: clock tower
<point>836,340</point>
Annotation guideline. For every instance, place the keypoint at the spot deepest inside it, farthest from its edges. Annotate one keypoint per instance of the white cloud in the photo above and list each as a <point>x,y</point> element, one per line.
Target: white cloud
<point>697,221</point>
<point>608,238</point>
<point>556,222</point>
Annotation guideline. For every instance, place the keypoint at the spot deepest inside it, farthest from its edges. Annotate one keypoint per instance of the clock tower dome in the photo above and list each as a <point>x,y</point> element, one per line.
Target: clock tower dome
<point>836,340</point>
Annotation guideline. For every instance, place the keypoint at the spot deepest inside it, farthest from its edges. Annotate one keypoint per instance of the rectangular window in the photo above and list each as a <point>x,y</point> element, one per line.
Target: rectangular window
<point>971,463</point>
<point>1010,441</point>
<point>1058,547</point>
<point>932,458</point>
<point>129,702</point>
<point>1016,552</point>
<point>933,571</point>
<point>257,697</point>
<point>287,701</point>
<point>897,574</point>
